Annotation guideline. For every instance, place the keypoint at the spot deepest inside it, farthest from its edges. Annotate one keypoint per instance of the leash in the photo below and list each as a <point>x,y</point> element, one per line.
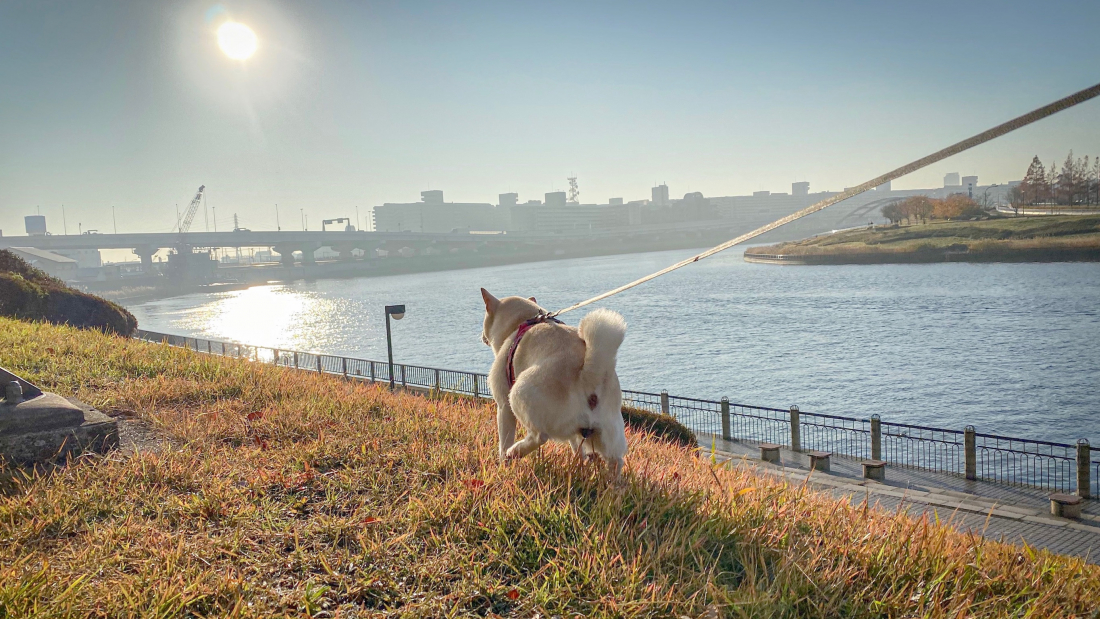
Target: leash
<point>954,149</point>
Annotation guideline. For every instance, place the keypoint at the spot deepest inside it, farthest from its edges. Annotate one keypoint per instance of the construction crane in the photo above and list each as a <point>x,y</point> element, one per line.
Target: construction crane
<point>347,228</point>
<point>189,216</point>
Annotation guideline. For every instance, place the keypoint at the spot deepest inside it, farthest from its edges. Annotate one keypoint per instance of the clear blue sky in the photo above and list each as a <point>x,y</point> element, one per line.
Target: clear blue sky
<point>359,103</point>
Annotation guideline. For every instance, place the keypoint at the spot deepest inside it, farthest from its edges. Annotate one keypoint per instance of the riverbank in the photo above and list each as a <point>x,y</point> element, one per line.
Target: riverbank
<point>1025,239</point>
<point>288,493</point>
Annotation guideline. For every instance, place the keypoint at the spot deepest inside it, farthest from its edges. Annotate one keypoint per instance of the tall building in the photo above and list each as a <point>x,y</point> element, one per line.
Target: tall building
<point>969,184</point>
<point>555,198</point>
<point>883,187</point>
<point>615,201</point>
<point>761,194</point>
<point>659,195</point>
<point>800,189</point>
<point>432,214</point>
<point>507,199</point>
<point>951,179</point>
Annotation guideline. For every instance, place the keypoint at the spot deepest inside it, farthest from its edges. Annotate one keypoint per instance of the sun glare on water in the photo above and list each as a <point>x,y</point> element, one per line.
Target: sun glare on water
<point>236,40</point>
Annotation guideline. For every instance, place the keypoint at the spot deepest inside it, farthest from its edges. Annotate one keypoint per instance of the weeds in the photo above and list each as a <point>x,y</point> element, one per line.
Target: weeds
<point>287,493</point>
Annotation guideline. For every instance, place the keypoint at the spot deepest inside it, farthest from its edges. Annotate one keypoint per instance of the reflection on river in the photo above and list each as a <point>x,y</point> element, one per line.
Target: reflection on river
<point>1009,348</point>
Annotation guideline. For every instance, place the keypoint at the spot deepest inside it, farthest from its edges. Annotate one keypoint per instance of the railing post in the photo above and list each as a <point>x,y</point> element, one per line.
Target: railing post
<point>319,371</point>
<point>295,360</point>
<point>664,402</point>
<point>437,387</point>
<point>344,366</point>
<point>372,371</point>
<point>970,448</point>
<point>403,373</point>
<point>876,437</point>
<point>275,357</point>
<point>1084,460</point>
<point>726,419</point>
<point>796,430</point>
<point>477,387</point>
<point>208,349</point>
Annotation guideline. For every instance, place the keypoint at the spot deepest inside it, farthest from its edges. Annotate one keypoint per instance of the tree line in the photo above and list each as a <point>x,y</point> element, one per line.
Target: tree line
<point>923,208</point>
<point>1076,184</point>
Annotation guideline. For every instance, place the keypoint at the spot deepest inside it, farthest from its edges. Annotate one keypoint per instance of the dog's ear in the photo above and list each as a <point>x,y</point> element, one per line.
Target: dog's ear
<point>491,302</point>
<point>532,299</point>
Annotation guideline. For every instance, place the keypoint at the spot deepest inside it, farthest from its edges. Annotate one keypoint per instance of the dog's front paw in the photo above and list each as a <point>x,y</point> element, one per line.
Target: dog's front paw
<point>512,454</point>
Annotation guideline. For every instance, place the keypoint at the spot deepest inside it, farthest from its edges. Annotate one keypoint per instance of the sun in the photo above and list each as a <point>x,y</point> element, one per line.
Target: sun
<point>236,40</point>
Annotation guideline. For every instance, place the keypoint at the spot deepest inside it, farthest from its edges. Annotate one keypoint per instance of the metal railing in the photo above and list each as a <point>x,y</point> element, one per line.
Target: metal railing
<point>966,453</point>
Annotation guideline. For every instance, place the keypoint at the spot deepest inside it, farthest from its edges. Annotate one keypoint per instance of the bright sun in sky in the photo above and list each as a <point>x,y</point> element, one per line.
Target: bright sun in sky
<point>236,40</point>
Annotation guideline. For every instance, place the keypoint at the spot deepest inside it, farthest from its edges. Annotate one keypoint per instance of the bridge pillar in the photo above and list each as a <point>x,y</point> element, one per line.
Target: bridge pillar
<point>307,254</point>
<point>146,254</point>
<point>286,254</point>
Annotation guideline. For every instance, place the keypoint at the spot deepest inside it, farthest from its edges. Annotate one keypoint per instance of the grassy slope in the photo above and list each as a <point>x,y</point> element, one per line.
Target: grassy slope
<point>342,496</point>
<point>1008,233</point>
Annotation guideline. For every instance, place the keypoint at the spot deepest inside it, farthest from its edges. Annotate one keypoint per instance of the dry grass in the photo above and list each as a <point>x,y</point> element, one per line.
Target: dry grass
<point>339,499</point>
<point>1007,234</point>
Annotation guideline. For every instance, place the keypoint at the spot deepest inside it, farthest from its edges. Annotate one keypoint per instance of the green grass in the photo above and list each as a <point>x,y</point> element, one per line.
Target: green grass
<point>1048,232</point>
<point>339,498</point>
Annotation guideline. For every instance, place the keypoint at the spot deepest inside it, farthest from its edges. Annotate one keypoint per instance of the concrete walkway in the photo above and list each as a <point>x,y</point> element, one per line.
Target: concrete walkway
<point>1010,514</point>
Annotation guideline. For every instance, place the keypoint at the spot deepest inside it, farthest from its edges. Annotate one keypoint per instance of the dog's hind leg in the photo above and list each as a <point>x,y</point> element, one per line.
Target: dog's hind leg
<point>530,443</point>
<point>506,426</point>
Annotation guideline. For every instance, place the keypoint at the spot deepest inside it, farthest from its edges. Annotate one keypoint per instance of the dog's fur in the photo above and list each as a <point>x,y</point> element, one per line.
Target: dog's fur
<point>558,369</point>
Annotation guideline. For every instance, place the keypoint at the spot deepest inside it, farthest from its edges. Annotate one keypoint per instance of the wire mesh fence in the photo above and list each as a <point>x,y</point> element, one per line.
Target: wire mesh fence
<point>1000,459</point>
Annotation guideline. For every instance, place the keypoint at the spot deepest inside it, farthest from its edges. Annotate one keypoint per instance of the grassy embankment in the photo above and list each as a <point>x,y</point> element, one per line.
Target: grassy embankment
<point>999,239</point>
<point>285,492</point>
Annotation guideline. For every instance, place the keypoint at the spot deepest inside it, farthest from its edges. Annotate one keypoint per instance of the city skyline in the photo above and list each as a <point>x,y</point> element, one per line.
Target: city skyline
<point>347,105</point>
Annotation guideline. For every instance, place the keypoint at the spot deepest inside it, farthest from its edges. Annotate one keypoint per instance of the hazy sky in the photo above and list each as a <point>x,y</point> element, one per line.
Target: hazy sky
<point>359,103</point>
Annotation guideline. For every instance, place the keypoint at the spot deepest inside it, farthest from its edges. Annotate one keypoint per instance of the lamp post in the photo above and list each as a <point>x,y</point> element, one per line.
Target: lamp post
<point>398,312</point>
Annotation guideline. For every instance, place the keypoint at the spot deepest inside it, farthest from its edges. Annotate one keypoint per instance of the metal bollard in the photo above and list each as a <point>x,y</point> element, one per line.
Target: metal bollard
<point>1084,457</point>
<point>664,402</point>
<point>876,437</point>
<point>726,419</point>
<point>796,430</point>
<point>971,452</point>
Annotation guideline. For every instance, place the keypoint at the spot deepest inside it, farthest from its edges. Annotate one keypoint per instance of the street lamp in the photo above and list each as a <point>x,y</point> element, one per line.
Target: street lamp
<point>398,312</point>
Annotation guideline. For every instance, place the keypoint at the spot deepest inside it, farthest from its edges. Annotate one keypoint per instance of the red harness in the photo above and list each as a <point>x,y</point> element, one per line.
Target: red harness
<point>523,328</point>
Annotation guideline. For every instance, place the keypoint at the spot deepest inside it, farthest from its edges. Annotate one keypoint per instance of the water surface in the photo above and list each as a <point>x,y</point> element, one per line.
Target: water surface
<point>1009,348</point>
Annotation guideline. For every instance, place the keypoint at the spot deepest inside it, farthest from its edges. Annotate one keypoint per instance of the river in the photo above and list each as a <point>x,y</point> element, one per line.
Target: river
<point>1013,349</point>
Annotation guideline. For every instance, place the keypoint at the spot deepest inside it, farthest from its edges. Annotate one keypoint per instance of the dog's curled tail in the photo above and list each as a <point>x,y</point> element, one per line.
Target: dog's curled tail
<point>602,331</point>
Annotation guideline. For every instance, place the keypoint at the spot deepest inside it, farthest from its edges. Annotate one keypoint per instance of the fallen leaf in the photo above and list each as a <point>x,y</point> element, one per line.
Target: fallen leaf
<point>513,595</point>
<point>369,519</point>
<point>744,491</point>
<point>49,350</point>
<point>256,415</point>
<point>473,484</point>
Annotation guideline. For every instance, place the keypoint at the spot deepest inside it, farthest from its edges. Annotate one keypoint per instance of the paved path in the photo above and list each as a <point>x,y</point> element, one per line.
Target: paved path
<point>1005,513</point>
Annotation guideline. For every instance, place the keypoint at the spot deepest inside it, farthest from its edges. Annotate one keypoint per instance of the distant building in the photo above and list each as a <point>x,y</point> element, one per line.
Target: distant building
<point>434,215</point>
<point>800,189</point>
<point>53,263</point>
<point>615,201</point>
<point>659,195</point>
<point>951,179</point>
<point>555,198</point>
<point>507,199</point>
<point>85,258</point>
<point>762,194</point>
<point>969,184</point>
<point>883,187</point>
<point>36,225</point>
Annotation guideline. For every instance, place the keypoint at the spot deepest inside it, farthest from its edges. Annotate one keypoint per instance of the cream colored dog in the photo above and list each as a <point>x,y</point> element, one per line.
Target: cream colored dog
<point>565,388</point>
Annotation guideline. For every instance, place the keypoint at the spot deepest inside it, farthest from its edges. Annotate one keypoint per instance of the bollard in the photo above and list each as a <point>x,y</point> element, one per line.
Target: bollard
<point>1084,457</point>
<point>971,451</point>
<point>664,402</point>
<point>876,437</point>
<point>796,430</point>
<point>726,419</point>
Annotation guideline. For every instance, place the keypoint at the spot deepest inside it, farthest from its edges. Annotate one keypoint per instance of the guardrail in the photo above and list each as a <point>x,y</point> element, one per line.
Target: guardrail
<point>966,453</point>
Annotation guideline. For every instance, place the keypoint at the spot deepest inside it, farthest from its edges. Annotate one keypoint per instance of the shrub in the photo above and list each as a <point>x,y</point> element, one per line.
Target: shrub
<point>662,426</point>
<point>27,293</point>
